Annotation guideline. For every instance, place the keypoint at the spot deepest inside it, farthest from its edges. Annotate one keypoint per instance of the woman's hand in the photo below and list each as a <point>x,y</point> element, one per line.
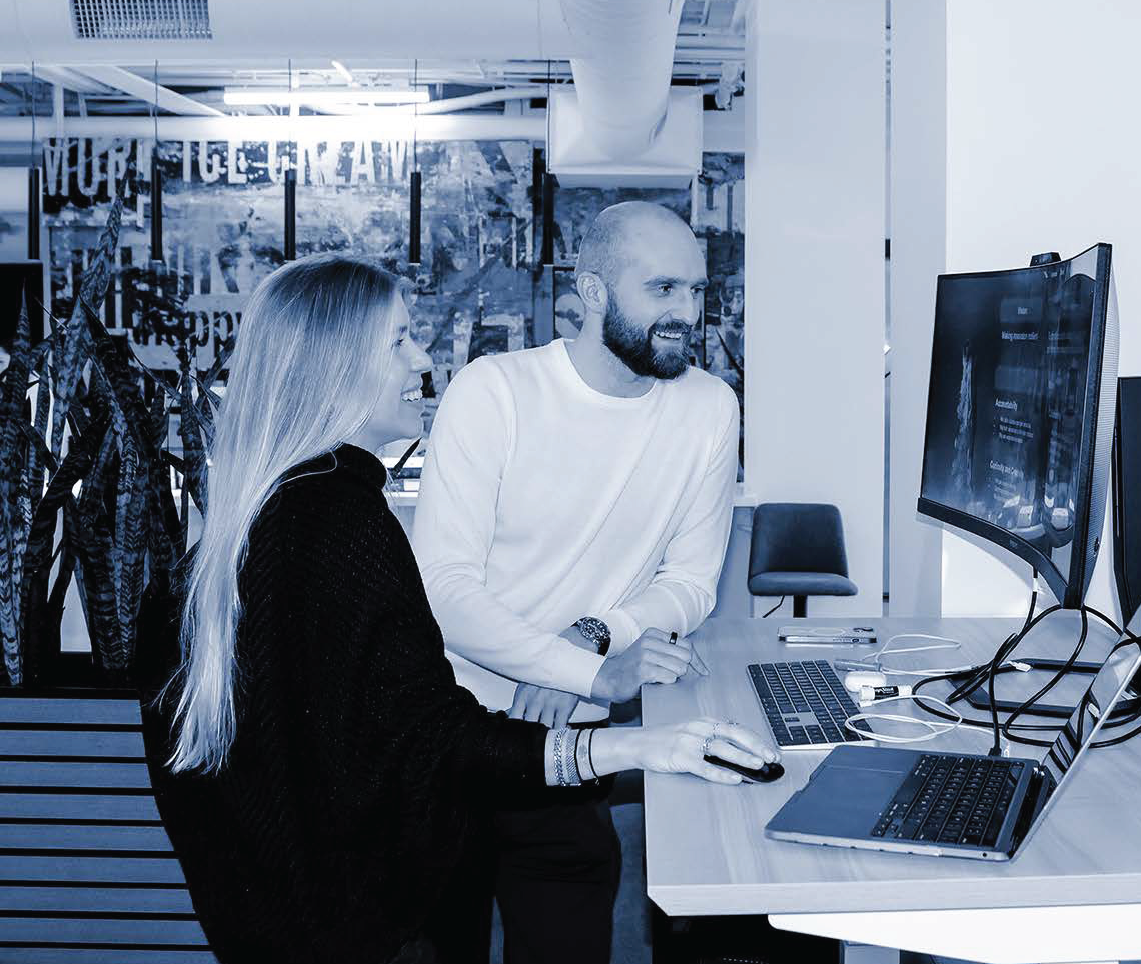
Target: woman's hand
<point>552,708</point>
<point>681,748</point>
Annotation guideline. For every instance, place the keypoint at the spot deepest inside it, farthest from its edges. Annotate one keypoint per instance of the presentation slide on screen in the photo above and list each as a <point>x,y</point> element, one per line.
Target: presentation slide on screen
<point>1006,406</point>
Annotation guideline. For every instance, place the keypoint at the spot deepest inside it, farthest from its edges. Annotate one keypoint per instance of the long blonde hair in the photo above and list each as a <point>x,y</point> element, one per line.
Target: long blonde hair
<point>313,335</point>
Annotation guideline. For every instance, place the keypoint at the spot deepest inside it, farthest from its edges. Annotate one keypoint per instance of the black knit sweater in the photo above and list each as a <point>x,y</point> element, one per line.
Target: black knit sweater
<point>338,817</point>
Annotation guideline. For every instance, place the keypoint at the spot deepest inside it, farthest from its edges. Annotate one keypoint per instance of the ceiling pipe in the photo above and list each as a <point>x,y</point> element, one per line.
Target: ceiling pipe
<point>63,77</point>
<point>143,89</point>
<point>623,76</point>
<point>447,105</point>
<point>441,127</point>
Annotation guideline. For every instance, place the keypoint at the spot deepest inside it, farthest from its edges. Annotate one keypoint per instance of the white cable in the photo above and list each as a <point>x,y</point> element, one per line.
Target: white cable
<point>935,728</point>
<point>945,643</point>
<point>946,640</point>
<point>1012,663</point>
<point>887,671</point>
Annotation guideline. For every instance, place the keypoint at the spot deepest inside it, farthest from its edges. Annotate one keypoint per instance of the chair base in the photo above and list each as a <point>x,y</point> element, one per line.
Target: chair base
<point>799,607</point>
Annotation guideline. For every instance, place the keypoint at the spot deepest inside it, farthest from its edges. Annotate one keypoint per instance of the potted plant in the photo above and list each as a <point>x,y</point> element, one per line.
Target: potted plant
<point>85,481</point>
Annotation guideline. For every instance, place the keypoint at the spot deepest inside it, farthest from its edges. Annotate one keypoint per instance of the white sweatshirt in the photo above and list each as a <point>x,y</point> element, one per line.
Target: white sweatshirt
<point>543,500</point>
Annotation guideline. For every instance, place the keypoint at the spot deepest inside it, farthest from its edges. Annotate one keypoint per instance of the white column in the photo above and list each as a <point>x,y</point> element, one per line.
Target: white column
<point>815,167</point>
<point>918,256</point>
<point>1042,149</point>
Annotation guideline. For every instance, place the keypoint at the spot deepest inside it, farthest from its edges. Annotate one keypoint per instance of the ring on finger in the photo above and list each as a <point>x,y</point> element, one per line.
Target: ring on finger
<point>706,744</point>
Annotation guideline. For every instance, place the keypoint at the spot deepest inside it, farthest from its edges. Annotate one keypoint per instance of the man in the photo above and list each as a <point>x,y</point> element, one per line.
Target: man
<point>574,511</point>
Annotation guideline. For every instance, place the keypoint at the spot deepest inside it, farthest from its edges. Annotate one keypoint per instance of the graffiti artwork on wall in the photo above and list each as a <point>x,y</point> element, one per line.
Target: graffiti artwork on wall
<point>475,290</point>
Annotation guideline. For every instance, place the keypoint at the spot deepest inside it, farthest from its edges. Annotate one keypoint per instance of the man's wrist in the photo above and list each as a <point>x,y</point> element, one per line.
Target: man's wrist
<point>601,689</point>
<point>574,635</point>
<point>595,630</point>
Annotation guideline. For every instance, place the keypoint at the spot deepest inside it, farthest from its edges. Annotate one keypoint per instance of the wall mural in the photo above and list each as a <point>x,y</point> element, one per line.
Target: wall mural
<point>476,291</point>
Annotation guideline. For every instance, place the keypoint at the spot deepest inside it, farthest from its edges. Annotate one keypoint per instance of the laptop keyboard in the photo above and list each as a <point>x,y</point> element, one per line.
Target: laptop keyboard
<point>805,702</point>
<point>948,799</point>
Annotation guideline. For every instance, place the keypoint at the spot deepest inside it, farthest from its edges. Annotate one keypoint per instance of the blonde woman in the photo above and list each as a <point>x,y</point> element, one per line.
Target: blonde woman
<point>313,759</point>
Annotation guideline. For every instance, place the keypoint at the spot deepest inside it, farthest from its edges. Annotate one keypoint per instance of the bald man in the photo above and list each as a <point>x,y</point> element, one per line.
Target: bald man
<point>573,513</point>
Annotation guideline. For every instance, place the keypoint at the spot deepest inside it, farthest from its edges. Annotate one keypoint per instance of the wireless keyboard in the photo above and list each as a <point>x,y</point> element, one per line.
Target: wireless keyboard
<point>805,703</point>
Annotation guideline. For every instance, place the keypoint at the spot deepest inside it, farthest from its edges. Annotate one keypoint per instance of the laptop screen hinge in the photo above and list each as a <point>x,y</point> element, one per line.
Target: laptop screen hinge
<point>1042,784</point>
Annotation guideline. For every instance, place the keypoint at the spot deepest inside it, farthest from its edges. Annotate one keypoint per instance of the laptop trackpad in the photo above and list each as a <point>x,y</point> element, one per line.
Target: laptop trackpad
<point>840,801</point>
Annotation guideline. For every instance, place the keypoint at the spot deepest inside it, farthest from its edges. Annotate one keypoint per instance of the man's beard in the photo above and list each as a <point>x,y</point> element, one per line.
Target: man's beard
<point>634,346</point>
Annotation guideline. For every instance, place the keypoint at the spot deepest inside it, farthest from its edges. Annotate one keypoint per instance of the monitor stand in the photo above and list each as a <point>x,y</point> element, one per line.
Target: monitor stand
<point>980,699</point>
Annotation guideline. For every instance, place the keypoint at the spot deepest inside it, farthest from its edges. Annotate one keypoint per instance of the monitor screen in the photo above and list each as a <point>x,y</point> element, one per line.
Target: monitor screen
<point>1011,404</point>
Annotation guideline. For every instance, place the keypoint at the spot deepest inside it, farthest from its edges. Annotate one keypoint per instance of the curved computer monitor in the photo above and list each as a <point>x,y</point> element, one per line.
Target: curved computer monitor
<point>1020,412</point>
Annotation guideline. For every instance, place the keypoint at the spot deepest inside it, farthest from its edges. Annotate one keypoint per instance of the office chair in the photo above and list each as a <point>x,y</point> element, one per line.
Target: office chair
<point>798,551</point>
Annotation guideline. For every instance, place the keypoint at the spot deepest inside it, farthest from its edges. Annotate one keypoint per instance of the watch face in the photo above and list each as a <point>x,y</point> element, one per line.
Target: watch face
<point>591,626</point>
<point>596,631</point>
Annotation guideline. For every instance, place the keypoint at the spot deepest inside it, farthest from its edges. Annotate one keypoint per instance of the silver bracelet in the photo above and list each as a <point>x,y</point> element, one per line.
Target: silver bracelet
<point>560,736</point>
<point>570,767</point>
<point>582,758</point>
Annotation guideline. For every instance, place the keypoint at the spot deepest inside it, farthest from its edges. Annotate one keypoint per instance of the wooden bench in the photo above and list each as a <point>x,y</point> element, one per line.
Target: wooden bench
<point>87,873</point>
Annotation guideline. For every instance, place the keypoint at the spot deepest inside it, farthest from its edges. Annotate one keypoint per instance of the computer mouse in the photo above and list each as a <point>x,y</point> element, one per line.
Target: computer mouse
<point>763,774</point>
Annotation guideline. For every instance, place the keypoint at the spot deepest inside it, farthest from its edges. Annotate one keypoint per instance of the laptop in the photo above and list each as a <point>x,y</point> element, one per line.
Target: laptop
<point>948,804</point>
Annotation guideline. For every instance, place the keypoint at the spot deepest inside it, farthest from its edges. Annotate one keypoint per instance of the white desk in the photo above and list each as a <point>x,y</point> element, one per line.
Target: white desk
<point>1073,895</point>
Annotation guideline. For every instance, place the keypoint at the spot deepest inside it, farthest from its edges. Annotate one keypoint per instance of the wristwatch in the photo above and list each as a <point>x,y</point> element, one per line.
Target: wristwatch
<point>596,631</point>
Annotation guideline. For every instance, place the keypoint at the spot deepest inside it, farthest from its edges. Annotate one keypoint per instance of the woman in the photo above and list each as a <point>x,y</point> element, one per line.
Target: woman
<point>313,759</point>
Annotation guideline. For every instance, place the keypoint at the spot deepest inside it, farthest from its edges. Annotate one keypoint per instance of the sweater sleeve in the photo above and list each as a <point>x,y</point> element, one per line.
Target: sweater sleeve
<point>455,522</point>
<point>336,588</point>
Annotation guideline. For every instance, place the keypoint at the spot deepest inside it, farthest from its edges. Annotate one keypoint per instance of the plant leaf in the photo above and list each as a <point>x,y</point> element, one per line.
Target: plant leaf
<point>220,362</point>
<point>193,452</point>
<point>76,464</point>
<point>41,454</point>
<point>75,334</point>
<point>130,548</point>
<point>13,533</point>
<point>113,375</point>
<point>92,543</point>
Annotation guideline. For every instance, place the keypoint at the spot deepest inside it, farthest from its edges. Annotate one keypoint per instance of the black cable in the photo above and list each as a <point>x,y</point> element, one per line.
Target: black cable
<point>980,672</point>
<point>774,609</point>
<point>999,658</point>
<point>1063,671</point>
<point>927,680</point>
<point>970,679</point>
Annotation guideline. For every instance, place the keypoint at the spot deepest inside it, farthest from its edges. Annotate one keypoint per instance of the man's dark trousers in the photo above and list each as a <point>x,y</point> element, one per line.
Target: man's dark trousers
<point>552,862</point>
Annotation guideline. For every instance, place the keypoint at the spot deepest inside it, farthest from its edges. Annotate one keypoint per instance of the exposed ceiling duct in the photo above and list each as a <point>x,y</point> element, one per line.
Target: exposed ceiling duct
<point>622,75</point>
<point>622,125</point>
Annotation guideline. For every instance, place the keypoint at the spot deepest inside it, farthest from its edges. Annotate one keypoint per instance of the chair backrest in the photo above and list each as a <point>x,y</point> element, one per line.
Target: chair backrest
<point>87,872</point>
<point>797,537</point>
